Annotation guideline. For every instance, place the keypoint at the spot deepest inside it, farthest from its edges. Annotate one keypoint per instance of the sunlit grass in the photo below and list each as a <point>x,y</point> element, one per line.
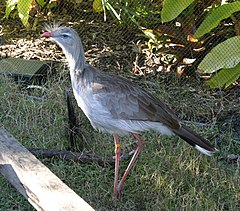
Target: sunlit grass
<point>169,174</point>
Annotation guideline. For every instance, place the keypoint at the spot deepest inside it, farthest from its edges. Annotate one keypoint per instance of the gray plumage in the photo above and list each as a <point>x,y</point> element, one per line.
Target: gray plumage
<point>116,105</point>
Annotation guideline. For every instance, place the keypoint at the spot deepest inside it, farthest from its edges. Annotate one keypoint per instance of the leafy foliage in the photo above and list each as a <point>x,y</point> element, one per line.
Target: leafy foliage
<point>225,77</point>
<point>108,6</point>
<point>10,7</point>
<point>140,13</point>
<point>216,55</point>
<point>224,55</point>
<point>177,30</point>
<point>216,16</point>
<point>97,6</point>
<point>182,22</point>
<point>171,9</point>
<point>24,7</point>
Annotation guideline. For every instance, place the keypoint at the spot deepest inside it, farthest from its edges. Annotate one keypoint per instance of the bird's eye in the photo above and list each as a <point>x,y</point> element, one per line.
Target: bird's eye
<point>65,35</point>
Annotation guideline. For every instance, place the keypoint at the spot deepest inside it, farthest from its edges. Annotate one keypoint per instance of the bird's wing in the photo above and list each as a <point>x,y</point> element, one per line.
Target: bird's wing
<point>126,100</point>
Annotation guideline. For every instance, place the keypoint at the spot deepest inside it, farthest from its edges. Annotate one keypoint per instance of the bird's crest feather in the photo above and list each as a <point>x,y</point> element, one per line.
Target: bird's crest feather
<point>54,26</point>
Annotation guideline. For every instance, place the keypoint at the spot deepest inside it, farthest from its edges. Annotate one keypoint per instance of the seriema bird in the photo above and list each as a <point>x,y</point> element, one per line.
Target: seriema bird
<point>117,106</point>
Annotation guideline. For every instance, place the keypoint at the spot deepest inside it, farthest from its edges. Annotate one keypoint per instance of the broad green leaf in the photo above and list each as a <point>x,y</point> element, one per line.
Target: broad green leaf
<point>225,77</point>
<point>216,16</point>
<point>224,55</point>
<point>23,10</point>
<point>172,8</point>
<point>40,2</point>
<point>10,7</point>
<point>97,6</point>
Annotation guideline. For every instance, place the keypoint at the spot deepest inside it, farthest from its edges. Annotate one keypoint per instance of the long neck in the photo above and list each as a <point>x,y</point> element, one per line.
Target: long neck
<point>76,59</point>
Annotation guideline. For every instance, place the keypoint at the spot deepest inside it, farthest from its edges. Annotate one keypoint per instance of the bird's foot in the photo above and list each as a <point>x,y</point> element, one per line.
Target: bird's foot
<point>117,193</point>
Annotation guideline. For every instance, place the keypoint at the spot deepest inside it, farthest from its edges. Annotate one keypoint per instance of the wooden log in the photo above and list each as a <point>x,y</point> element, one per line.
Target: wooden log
<point>44,190</point>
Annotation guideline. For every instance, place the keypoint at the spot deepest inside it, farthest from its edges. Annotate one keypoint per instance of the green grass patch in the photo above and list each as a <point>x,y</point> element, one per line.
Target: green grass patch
<point>169,174</point>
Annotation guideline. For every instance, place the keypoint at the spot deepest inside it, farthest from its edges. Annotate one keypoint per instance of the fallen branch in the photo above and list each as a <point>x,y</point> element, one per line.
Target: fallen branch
<point>77,157</point>
<point>72,156</point>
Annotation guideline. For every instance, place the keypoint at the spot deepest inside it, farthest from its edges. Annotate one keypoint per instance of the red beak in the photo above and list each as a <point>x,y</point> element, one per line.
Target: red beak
<point>47,34</point>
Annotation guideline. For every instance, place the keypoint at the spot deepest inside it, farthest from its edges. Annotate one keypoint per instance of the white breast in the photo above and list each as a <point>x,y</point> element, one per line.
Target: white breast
<point>92,108</point>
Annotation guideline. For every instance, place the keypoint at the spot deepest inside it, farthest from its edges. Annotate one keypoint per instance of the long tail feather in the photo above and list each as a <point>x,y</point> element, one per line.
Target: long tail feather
<point>195,140</point>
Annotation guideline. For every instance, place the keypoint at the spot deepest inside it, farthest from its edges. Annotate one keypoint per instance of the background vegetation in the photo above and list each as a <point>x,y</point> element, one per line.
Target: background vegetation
<point>185,52</point>
<point>202,26</point>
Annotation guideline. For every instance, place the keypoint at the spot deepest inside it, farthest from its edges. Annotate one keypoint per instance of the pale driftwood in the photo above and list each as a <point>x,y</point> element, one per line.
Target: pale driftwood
<point>44,190</point>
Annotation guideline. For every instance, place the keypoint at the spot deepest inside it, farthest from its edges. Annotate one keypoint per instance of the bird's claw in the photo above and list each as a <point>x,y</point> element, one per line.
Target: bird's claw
<point>117,193</point>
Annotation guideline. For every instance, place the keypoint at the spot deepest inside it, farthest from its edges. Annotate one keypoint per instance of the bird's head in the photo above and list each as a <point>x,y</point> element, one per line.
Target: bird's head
<point>67,38</point>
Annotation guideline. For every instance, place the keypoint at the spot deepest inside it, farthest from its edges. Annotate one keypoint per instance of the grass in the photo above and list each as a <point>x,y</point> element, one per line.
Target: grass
<point>169,174</point>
